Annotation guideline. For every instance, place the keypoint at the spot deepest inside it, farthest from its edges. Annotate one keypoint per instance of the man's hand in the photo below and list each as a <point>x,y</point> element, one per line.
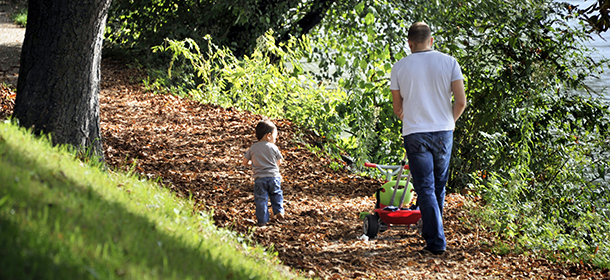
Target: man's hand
<point>397,104</point>
<point>460,99</point>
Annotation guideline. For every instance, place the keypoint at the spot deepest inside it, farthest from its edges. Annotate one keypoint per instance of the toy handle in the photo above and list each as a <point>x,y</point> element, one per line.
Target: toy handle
<point>395,169</point>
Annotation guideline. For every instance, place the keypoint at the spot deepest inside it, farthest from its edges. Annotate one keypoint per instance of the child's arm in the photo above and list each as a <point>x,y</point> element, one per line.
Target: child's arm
<point>280,157</point>
<point>246,161</point>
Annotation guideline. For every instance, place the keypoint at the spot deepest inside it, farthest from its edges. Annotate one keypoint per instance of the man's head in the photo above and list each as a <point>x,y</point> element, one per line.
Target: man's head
<point>420,35</point>
<point>265,127</point>
<point>419,32</point>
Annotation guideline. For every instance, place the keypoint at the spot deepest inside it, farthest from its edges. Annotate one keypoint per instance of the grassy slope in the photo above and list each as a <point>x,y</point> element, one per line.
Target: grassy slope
<point>62,219</point>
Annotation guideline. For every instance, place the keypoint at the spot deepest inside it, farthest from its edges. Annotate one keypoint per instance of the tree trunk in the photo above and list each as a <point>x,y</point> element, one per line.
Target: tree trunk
<point>59,76</point>
<point>311,19</point>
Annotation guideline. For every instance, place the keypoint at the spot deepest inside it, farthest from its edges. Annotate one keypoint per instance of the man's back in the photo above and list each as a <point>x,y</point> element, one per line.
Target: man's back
<point>424,80</point>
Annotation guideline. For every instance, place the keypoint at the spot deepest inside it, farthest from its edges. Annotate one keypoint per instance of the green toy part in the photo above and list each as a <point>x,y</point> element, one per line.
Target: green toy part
<point>386,196</point>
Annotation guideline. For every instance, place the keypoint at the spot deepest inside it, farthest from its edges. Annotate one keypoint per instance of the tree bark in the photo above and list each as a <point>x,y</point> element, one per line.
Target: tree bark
<point>59,76</point>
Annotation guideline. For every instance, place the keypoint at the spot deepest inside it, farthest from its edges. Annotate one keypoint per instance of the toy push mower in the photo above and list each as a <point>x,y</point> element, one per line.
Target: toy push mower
<point>389,214</point>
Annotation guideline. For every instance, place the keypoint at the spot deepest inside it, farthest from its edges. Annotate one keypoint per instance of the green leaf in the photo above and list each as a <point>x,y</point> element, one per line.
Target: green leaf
<point>363,64</point>
<point>360,7</point>
<point>341,61</point>
<point>369,19</point>
<point>387,67</point>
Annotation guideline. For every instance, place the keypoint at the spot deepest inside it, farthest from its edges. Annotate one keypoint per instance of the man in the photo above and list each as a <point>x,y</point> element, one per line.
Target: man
<point>422,85</point>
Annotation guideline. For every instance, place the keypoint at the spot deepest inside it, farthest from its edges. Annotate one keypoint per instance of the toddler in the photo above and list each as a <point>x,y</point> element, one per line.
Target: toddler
<point>266,158</point>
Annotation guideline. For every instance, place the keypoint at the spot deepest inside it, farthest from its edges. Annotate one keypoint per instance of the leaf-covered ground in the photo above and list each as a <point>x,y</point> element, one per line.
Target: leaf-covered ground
<point>196,150</point>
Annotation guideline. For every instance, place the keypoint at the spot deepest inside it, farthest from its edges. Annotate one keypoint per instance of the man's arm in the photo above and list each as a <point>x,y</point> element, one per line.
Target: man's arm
<point>397,103</point>
<point>460,98</point>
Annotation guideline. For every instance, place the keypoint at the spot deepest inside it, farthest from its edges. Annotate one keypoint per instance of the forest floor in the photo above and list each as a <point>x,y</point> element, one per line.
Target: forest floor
<point>196,149</point>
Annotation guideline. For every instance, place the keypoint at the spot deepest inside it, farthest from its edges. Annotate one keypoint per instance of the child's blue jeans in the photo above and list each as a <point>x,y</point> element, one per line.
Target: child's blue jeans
<point>429,155</point>
<point>265,189</point>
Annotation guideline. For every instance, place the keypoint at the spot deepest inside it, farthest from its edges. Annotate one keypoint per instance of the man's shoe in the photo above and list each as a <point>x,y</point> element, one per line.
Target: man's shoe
<point>426,251</point>
<point>278,217</point>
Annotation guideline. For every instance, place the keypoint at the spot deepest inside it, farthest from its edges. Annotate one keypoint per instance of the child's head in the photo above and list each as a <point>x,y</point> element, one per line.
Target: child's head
<point>264,128</point>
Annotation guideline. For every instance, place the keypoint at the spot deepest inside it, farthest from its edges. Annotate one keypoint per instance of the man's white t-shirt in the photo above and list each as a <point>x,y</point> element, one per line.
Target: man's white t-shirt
<point>424,80</point>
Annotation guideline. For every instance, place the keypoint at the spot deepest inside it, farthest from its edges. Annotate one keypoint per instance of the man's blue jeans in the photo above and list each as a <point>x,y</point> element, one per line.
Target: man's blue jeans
<point>265,188</point>
<point>429,154</point>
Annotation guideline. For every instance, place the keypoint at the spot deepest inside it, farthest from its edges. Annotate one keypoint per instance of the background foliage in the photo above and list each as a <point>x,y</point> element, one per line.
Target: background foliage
<point>534,148</point>
<point>235,24</point>
<point>253,82</point>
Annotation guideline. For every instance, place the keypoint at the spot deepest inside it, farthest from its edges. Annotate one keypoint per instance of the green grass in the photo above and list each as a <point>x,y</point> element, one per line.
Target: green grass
<point>63,219</point>
<point>20,18</point>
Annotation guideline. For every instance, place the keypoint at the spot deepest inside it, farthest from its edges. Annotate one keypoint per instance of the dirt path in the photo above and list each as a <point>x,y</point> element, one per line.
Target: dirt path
<point>11,39</point>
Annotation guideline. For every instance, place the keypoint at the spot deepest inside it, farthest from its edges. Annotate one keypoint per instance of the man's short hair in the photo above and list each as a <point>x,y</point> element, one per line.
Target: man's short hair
<point>263,128</point>
<point>419,32</point>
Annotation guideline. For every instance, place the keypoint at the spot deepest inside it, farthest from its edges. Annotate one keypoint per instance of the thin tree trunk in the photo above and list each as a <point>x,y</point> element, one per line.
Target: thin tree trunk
<point>58,86</point>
